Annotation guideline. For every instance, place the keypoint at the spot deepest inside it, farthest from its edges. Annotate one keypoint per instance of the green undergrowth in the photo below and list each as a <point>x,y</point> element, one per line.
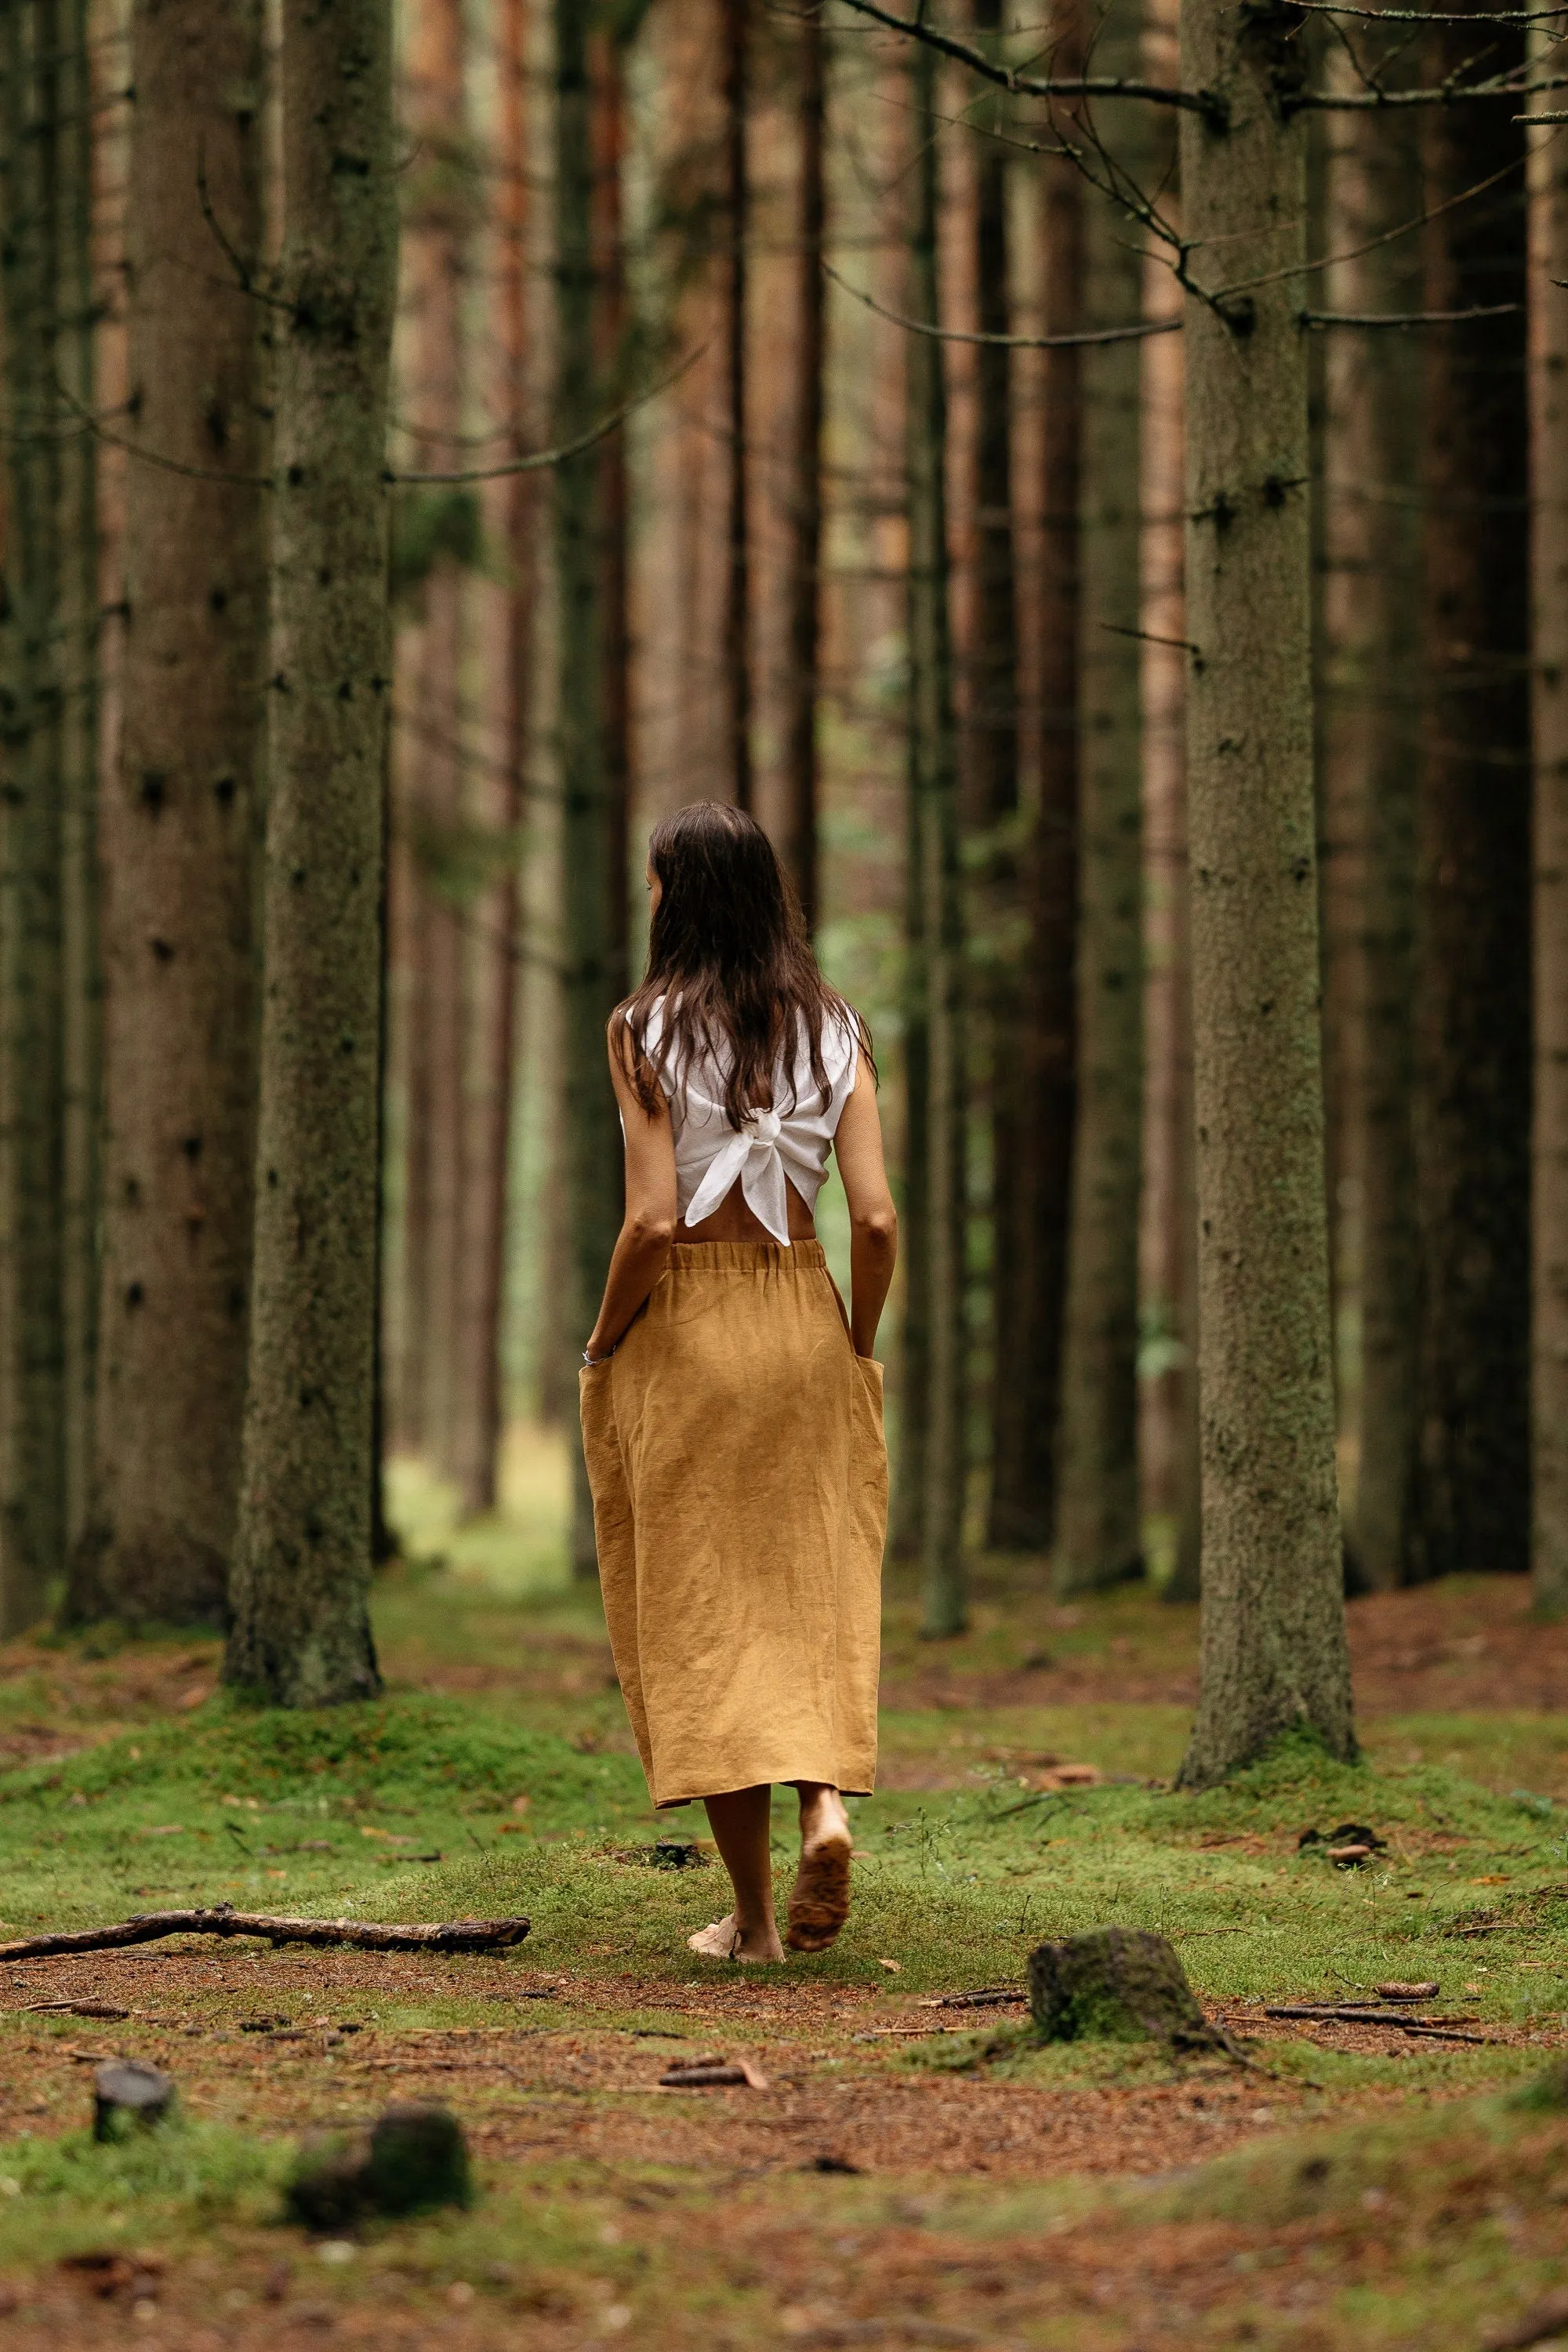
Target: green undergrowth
<point>342,1809</point>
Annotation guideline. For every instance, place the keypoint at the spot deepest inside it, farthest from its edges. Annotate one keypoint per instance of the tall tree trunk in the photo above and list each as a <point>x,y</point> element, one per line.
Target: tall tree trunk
<point>302,1628</point>
<point>1031,1230</point>
<point>612,349</point>
<point>935,842</point>
<point>179,830</point>
<point>1549,671</point>
<point>738,596</point>
<point>1098,1536</point>
<point>1373,388</point>
<point>800,682</point>
<point>32,1348</point>
<point>75,365</point>
<point>495,948</point>
<point>592,1149</point>
<point>437,231</point>
<point>1473,1008</point>
<point>1274,1653</point>
<point>993,722</point>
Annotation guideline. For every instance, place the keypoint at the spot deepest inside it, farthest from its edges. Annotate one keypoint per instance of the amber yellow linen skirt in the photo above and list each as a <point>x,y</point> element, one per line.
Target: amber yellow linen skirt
<point>740,1480</point>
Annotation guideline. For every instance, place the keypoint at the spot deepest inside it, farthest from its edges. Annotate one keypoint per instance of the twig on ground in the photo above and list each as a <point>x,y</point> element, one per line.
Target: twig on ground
<point>223,1919</point>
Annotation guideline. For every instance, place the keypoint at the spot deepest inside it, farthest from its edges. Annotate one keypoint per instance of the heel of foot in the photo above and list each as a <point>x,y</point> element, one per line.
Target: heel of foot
<point>820,1903</point>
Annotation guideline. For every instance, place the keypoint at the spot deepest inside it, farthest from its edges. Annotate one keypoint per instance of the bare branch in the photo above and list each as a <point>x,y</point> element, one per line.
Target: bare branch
<point>540,458</point>
<point>1444,94</point>
<point>1430,16</point>
<point>1131,335</point>
<point>1408,318</point>
<point>1023,85</point>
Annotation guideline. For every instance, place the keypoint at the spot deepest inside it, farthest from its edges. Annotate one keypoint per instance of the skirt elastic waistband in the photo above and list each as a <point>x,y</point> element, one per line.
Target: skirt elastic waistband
<point>746,1258</point>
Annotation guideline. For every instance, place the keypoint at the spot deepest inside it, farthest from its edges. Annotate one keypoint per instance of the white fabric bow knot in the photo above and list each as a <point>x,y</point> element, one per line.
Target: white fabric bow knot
<point>753,1154</point>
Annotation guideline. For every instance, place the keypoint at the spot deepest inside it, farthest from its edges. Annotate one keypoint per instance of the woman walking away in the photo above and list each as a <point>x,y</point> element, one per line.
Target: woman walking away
<point>732,1411</point>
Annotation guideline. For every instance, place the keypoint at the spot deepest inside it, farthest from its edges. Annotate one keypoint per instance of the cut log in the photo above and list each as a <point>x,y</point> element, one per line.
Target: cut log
<point>129,2093</point>
<point>223,1919</point>
<point>1117,1984</point>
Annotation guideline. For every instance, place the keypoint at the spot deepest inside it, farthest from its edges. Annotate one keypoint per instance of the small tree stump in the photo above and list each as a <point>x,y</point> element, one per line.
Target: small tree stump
<point>326,2190</point>
<point>418,2158</point>
<point>413,2158</point>
<point>128,2093</point>
<point>1117,1984</point>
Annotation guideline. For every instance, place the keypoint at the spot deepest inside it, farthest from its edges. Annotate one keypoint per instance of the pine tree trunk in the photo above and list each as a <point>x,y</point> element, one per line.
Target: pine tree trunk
<point>800,680</point>
<point>1098,1537</point>
<point>612,342</point>
<point>1473,983</point>
<point>993,725</point>
<point>1548,671</point>
<point>1371,597</point>
<point>178,830</point>
<point>1031,1225</point>
<point>738,595</point>
<point>302,1629</point>
<point>1273,1655</point>
<point>936,838</point>
<point>592,1147</point>
<point>75,364</point>
<point>32,1337</point>
<point>494,950</point>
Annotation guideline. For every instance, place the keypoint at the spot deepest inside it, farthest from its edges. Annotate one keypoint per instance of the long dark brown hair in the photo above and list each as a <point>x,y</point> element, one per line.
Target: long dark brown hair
<point>729,954</point>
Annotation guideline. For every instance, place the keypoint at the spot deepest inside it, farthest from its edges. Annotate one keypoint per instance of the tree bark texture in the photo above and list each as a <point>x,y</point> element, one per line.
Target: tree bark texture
<point>75,357</point>
<point>1549,672</point>
<point>593,1152</point>
<point>179,833</point>
<point>738,593</point>
<point>991,723</point>
<point>935,845</point>
<point>1034,1134</point>
<point>802,649</point>
<point>437,232</point>
<point>1473,980</point>
<point>1371,597</point>
<point>302,1630</point>
<point>613,342</point>
<point>494,948</point>
<point>1273,1651</point>
<point>1099,1534</point>
<point>32,1336</point>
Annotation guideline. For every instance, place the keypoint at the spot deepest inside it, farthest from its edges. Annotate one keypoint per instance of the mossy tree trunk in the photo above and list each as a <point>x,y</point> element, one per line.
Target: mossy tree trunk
<point>1274,1653</point>
<point>32,1348</point>
<point>1098,1538</point>
<point>939,944</point>
<point>302,1630</point>
<point>180,827</point>
<point>1549,671</point>
<point>1473,850</point>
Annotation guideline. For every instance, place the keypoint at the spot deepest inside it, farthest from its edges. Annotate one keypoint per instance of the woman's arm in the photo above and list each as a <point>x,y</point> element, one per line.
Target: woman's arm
<point>642,1251</point>
<point>873,1220</point>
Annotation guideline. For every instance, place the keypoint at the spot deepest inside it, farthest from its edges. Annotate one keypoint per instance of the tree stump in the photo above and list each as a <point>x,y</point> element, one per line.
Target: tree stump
<point>413,2158</point>
<point>418,2158</point>
<point>1117,1984</point>
<point>128,2094</point>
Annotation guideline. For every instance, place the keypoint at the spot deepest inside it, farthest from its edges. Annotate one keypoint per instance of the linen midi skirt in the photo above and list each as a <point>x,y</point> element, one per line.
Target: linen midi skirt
<point>740,1480</point>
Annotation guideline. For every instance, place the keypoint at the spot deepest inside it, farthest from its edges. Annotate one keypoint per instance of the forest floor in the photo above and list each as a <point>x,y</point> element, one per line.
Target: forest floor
<point>909,2175</point>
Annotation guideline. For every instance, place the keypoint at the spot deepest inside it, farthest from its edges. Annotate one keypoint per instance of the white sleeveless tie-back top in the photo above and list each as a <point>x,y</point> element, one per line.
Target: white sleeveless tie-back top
<point>709,1154</point>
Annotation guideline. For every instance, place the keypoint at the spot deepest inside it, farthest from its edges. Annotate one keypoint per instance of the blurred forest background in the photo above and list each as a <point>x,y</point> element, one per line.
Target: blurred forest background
<point>789,410</point>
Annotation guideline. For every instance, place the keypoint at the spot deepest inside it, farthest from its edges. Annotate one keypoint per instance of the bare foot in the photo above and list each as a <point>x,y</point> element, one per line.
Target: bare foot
<point>820,1903</point>
<point>724,1941</point>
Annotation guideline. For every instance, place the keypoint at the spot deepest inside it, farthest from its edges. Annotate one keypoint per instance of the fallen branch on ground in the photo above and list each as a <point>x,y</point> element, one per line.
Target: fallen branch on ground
<point>223,1919</point>
<point>1435,2028</point>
